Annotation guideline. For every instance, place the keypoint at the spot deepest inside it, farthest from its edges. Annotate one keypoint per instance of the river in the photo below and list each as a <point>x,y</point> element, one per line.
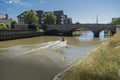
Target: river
<point>41,58</point>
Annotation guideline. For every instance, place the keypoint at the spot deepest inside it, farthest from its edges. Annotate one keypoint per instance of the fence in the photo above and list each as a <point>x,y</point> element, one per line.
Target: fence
<point>15,34</point>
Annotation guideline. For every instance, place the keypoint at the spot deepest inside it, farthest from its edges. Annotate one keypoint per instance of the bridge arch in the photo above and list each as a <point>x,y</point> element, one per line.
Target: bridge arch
<point>95,32</point>
<point>95,28</point>
<point>80,29</point>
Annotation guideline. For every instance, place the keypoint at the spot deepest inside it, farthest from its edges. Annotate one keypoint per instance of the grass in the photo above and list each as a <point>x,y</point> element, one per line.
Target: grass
<point>101,64</point>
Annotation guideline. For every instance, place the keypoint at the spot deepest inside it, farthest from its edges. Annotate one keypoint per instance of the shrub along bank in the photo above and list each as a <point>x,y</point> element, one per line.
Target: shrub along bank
<point>101,64</point>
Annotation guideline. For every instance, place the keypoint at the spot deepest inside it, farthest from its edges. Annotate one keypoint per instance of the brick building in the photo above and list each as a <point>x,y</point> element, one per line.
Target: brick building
<point>21,17</point>
<point>40,14</point>
<point>61,18</point>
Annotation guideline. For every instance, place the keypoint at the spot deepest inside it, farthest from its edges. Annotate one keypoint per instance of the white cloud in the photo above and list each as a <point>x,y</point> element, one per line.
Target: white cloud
<point>11,1</point>
<point>18,2</point>
<point>42,1</point>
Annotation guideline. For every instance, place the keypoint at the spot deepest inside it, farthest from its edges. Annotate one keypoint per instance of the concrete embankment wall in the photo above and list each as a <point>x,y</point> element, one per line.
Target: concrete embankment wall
<point>16,34</point>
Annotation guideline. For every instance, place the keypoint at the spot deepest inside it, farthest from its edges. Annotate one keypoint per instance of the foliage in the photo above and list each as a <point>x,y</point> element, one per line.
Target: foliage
<point>77,23</point>
<point>3,26</point>
<point>102,64</point>
<point>21,23</point>
<point>114,42</point>
<point>116,21</point>
<point>31,18</point>
<point>13,23</point>
<point>49,18</point>
<point>44,27</point>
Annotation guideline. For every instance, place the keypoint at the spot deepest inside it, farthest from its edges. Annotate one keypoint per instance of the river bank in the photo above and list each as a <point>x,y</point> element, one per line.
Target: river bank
<point>101,64</point>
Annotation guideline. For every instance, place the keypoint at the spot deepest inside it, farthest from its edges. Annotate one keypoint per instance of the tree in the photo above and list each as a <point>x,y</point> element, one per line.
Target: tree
<point>3,26</point>
<point>49,18</point>
<point>116,21</point>
<point>13,23</point>
<point>31,18</point>
<point>77,23</point>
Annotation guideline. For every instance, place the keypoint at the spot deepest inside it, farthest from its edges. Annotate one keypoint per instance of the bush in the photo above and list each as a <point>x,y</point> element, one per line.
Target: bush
<point>13,23</point>
<point>3,26</point>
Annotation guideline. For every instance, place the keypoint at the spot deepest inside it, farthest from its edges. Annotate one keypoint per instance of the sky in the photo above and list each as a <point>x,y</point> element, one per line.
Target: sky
<point>83,11</point>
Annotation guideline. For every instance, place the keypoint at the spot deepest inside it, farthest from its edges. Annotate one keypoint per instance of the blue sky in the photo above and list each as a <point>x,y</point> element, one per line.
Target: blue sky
<point>83,11</point>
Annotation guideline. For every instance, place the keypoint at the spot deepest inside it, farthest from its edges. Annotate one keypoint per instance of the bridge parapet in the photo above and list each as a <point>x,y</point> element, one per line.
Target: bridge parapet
<point>96,28</point>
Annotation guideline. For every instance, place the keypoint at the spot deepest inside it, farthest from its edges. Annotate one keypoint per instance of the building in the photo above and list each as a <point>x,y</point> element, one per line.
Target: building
<point>65,19</point>
<point>3,16</point>
<point>5,19</point>
<point>61,18</point>
<point>39,13</point>
<point>69,21</point>
<point>21,17</point>
<point>115,18</point>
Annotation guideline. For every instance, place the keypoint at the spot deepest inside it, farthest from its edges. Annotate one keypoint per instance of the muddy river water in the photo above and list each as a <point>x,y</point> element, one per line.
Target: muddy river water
<point>41,58</point>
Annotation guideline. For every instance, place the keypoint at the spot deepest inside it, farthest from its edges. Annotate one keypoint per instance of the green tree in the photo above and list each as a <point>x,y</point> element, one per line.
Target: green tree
<point>3,26</point>
<point>49,18</point>
<point>13,23</point>
<point>116,21</point>
<point>31,18</point>
<point>77,23</point>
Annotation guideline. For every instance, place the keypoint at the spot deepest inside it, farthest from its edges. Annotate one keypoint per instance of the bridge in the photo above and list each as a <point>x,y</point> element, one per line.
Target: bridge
<point>69,29</point>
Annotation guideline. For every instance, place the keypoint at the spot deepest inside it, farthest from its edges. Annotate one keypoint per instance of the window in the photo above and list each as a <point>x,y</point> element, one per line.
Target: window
<point>22,15</point>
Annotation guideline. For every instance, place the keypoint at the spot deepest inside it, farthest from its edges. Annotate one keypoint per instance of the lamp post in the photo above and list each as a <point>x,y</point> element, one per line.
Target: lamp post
<point>96,19</point>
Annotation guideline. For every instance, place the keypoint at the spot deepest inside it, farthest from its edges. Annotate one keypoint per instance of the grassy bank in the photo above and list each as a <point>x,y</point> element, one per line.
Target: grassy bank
<point>101,64</point>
